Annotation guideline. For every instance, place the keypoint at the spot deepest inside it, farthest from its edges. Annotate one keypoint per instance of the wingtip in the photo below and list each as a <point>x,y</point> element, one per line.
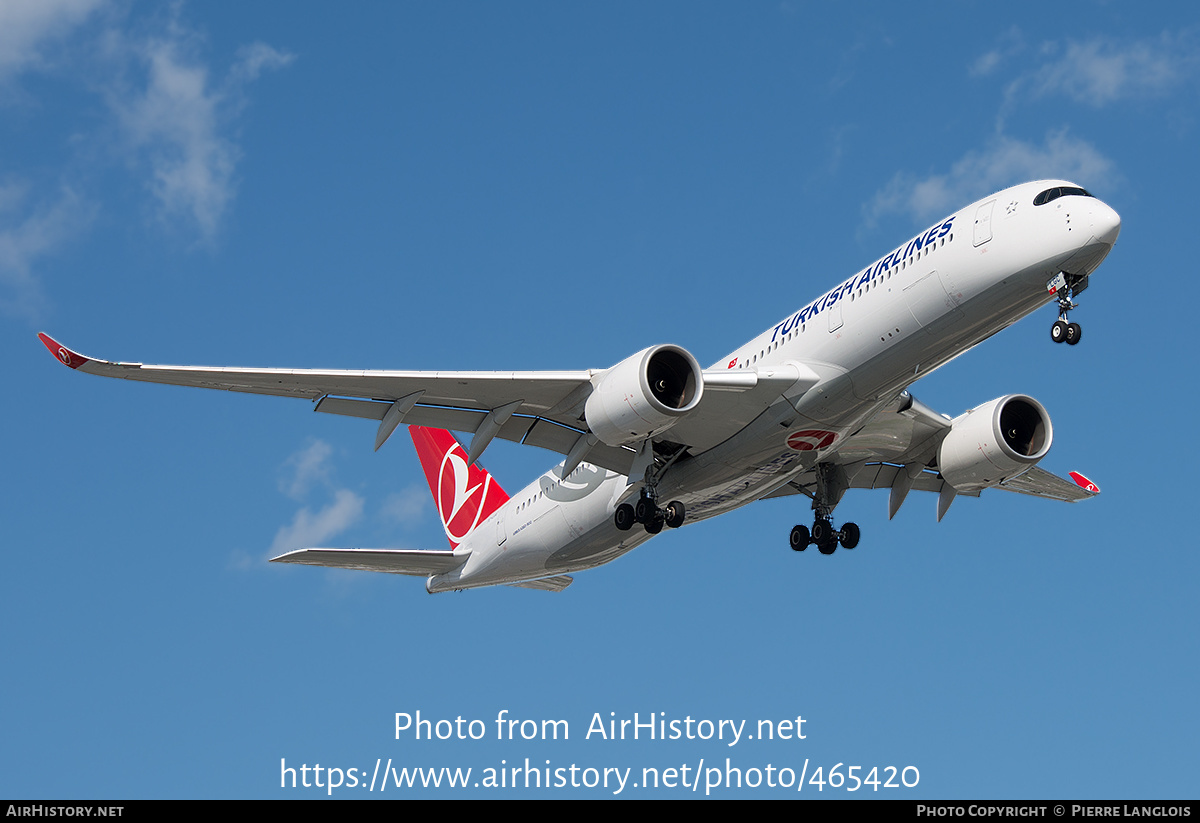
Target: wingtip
<point>61,353</point>
<point>1084,483</point>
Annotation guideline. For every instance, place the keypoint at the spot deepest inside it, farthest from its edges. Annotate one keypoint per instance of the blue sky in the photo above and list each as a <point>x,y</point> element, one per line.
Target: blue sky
<point>556,186</point>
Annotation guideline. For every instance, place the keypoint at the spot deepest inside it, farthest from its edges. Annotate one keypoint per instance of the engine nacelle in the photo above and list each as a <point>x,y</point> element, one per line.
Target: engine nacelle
<point>994,442</point>
<point>644,395</point>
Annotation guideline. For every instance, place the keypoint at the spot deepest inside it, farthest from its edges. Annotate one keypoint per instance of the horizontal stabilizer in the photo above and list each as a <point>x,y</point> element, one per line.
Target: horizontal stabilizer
<point>392,561</point>
<point>546,584</point>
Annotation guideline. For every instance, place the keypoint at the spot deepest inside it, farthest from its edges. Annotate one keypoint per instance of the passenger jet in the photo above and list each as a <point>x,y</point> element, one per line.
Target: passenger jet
<point>815,405</point>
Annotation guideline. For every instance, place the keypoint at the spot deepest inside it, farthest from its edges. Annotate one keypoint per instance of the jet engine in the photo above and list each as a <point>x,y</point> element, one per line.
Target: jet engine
<point>644,395</point>
<point>994,442</point>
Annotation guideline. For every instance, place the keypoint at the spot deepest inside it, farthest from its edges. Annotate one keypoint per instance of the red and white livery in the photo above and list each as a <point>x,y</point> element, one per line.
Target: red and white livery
<point>815,405</point>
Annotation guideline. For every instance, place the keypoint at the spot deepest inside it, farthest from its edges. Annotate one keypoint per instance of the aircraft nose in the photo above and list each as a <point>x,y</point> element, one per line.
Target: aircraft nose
<point>1106,223</point>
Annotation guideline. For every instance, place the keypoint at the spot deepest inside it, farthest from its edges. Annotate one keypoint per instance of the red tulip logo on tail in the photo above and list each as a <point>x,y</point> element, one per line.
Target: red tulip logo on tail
<point>465,495</point>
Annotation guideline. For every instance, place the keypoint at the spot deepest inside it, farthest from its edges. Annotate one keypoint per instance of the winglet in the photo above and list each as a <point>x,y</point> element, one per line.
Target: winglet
<point>64,355</point>
<point>1084,483</point>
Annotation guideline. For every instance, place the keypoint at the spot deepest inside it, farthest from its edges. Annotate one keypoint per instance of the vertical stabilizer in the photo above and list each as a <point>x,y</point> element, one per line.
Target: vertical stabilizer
<point>465,495</point>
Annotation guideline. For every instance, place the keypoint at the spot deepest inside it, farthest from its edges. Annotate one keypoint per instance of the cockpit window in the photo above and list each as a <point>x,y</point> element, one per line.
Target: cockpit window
<point>1057,192</point>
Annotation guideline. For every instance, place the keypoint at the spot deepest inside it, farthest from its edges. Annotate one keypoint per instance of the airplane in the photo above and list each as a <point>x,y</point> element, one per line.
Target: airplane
<point>813,406</point>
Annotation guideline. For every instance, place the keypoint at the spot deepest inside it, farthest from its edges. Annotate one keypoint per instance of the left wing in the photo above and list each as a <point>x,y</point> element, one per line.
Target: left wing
<point>897,450</point>
<point>392,561</point>
<point>405,561</point>
<point>1041,483</point>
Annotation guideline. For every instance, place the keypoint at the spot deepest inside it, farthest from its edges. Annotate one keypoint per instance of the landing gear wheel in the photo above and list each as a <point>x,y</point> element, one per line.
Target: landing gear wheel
<point>674,514</point>
<point>643,510</point>
<point>623,519</point>
<point>1074,332</point>
<point>849,536</point>
<point>798,539</point>
<point>824,536</point>
<point>1059,331</point>
<point>655,525</point>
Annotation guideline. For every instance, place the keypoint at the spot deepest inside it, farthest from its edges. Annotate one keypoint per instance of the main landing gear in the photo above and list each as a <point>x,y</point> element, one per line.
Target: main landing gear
<point>647,512</point>
<point>1066,286</point>
<point>831,485</point>
<point>824,536</point>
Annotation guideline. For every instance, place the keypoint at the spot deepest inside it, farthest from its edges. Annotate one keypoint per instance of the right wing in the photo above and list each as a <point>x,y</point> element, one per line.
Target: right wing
<point>537,408</point>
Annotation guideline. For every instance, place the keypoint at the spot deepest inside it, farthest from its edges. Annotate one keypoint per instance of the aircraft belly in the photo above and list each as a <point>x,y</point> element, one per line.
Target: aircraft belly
<point>573,530</point>
<point>595,548</point>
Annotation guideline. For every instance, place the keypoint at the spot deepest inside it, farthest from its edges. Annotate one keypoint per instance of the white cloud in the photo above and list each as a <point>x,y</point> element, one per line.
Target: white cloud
<point>175,122</point>
<point>176,119</point>
<point>1005,161</point>
<point>1010,43</point>
<point>406,506</point>
<point>1095,72</point>
<point>26,26</point>
<point>306,467</point>
<point>312,530</point>
<point>252,59</point>
<point>1102,70</point>
<point>26,238</point>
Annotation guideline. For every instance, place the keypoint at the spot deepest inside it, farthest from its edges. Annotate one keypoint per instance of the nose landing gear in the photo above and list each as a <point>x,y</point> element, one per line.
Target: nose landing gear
<point>1065,286</point>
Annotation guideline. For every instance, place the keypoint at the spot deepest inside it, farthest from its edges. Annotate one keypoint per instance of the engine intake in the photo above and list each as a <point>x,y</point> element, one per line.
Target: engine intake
<point>644,395</point>
<point>994,442</point>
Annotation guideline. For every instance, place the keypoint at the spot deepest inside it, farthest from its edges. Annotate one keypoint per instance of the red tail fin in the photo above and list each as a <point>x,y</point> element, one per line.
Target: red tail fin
<point>465,495</point>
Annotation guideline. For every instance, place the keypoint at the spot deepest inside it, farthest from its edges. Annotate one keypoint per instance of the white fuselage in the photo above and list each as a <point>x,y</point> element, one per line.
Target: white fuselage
<point>933,298</point>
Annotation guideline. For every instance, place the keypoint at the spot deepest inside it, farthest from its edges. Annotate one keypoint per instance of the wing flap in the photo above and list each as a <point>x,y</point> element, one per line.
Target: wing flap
<point>392,561</point>
<point>530,431</point>
<point>883,476</point>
